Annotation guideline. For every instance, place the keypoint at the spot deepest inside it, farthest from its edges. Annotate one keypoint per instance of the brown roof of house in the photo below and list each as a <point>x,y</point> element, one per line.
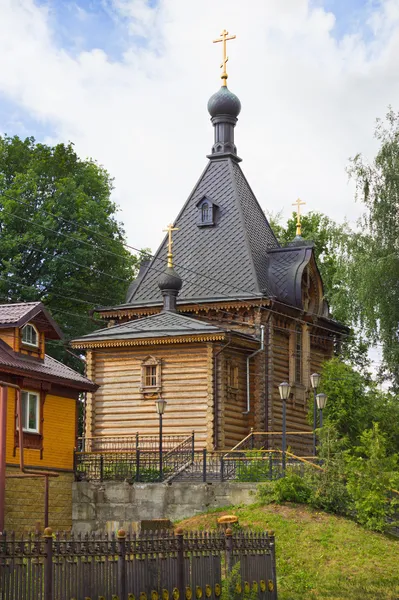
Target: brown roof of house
<point>16,315</point>
<point>49,370</point>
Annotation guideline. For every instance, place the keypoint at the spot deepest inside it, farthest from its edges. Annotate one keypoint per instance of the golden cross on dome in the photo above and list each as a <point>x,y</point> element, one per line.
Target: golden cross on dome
<point>224,37</point>
<point>298,203</point>
<point>169,230</point>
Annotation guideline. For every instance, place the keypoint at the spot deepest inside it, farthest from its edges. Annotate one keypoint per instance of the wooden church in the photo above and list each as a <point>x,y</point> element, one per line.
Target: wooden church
<point>215,323</point>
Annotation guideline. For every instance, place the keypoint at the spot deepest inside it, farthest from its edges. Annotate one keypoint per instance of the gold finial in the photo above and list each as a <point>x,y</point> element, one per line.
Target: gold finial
<point>224,36</point>
<point>298,203</point>
<point>169,230</point>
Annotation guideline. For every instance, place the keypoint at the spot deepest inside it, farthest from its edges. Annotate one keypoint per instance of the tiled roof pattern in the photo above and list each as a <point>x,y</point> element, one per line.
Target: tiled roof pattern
<point>49,367</point>
<point>260,235</point>
<point>231,255</point>
<point>283,271</point>
<point>11,313</point>
<point>160,325</point>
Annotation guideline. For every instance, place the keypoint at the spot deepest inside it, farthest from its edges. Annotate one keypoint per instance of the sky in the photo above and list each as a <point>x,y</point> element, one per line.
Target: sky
<point>127,81</point>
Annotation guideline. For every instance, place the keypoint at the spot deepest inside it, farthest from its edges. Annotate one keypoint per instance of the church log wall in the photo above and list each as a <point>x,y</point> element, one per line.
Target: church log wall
<point>234,424</point>
<point>120,408</point>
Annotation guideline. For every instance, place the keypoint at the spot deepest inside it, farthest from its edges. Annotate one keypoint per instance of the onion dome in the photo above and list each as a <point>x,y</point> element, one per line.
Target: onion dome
<point>224,108</point>
<point>170,285</point>
<point>170,280</point>
<point>224,102</point>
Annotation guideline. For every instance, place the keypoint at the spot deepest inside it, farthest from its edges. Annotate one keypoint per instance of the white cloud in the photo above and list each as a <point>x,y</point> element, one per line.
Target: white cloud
<point>309,101</point>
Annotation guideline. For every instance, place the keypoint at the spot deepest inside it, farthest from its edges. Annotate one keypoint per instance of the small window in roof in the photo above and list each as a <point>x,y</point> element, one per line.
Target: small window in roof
<point>30,335</point>
<point>206,212</point>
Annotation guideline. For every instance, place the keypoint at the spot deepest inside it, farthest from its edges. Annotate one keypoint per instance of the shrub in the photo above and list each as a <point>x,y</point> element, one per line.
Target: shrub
<point>292,488</point>
<point>371,474</point>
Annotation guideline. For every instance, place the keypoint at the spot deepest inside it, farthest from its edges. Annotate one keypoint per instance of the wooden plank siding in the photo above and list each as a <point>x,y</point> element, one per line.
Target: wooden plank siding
<point>120,408</point>
<point>233,402</point>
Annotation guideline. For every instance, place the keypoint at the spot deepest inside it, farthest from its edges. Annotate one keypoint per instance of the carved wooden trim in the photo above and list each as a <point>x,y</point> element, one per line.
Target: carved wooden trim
<point>149,391</point>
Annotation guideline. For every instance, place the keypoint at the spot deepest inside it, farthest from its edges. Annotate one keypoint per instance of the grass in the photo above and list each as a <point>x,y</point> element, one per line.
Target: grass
<point>320,556</point>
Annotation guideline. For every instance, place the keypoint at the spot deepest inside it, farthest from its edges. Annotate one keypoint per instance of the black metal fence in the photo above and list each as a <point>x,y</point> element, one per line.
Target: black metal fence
<point>185,464</point>
<point>157,565</point>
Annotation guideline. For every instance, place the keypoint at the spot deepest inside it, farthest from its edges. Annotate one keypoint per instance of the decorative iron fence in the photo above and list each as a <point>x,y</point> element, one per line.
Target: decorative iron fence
<point>157,565</point>
<point>186,464</point>
<point>129,443</point>
<point>140,464</point>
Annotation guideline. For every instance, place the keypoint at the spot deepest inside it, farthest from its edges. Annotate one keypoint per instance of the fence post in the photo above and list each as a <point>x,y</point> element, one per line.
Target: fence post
<point>273,559</point>
<point>229,549</point>
<point>137,440</point>
<point>204,465</point>
<point>101,467</point>
<point>137,465</point>
<point>221,468</point>
<point>48,564</point>
<point>252,438</point>
<point>192,445</point>
<point>180,561</point>
<point>121,535</point>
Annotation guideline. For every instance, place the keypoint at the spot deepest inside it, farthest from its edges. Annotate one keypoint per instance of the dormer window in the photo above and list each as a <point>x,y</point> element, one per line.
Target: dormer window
<point>30,335</point>
<point>206,212</point>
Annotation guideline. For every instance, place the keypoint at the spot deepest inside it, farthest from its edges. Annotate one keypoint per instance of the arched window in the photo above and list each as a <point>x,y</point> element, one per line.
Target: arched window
<point>206,210</point>
<point>30,335</point>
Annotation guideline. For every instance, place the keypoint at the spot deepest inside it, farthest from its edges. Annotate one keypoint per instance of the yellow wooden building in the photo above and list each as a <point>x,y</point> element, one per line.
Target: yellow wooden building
<point>47,393</point>
<point>215,337</point>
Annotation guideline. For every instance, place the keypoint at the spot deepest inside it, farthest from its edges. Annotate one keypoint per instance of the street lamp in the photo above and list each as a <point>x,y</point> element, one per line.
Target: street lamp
<point>321,404</point>
<point>315,379</point>
<point>160,405</point>
<point>285,390</point>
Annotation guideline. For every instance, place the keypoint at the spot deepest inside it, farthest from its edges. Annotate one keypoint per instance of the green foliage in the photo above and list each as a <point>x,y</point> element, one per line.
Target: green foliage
<point>374,253</point>
<point>329,491</point>
<point>355,402</point>
<point>292,488</point>
<point>258,467</point>
<point>60,241</point>
<point>371,473</point>
<point>265,492</point>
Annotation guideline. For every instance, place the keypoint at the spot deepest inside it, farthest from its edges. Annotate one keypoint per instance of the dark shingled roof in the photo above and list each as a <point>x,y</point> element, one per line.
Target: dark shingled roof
<point>50,369</point>
<point>162,324</point>
<point>232,255</point>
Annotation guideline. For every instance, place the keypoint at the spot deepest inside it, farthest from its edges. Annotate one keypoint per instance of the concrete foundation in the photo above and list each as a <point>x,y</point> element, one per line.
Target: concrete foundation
<point>109,506</point>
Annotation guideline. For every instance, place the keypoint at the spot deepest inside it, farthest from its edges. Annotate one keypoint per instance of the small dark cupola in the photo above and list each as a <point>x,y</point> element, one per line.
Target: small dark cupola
<point>224,108</point>
<point>169,282</point>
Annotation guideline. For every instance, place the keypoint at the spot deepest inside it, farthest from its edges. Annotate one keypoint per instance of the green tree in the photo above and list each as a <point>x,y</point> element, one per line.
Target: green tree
<point>374,265</point>
<point>371,473</point>
<point>60,241</point>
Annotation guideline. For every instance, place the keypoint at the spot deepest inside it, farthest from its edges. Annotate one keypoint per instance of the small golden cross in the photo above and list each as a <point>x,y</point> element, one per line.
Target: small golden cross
<point>169,230</point>
<point>224,37</point>
<point>298,203</point>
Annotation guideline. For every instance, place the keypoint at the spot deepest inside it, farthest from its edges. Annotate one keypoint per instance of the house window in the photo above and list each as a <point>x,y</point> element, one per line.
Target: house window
<point>30,411</point>
<point>298,354</point>
<point>30,335</point>
<point>150,376</point>
<point>232,375</point>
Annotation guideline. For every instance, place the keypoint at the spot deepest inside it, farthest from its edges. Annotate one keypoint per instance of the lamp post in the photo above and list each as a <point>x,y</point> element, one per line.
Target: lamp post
<point>160,406</point>
<point>285,390</point>
<point>315,381</point>
<point>321,404</point>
